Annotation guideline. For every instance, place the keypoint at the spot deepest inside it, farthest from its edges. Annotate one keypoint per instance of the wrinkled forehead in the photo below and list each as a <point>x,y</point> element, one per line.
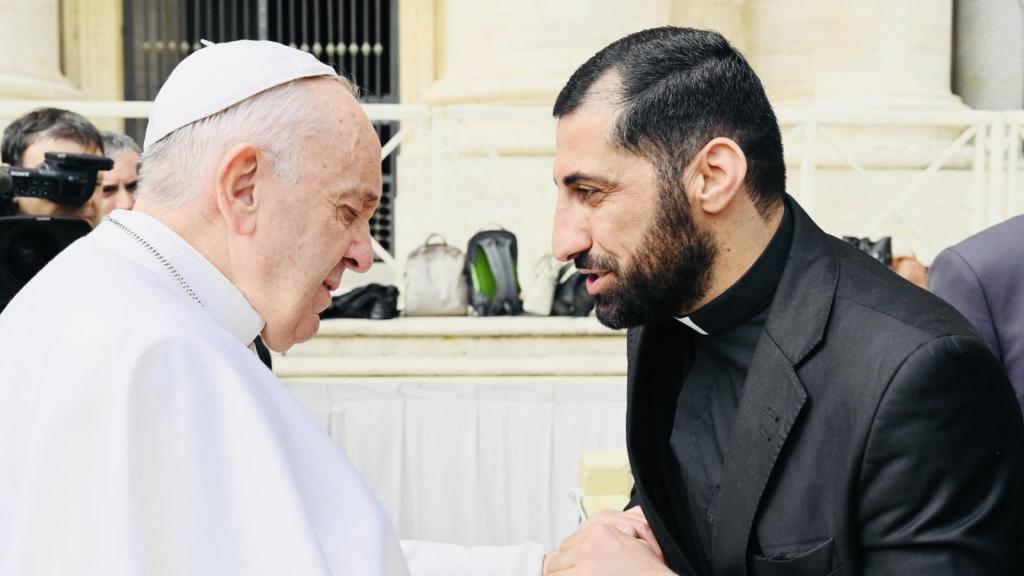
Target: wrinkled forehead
<point>585,140</point>
<point>350,160</point>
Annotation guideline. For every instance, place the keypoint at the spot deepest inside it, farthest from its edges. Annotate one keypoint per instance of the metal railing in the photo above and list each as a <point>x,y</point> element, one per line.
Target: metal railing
<point>966,140</point>
<point>988,145</point>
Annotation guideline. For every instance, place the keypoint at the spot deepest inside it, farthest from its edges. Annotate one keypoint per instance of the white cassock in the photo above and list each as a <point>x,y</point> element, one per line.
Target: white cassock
<point>140,435</point>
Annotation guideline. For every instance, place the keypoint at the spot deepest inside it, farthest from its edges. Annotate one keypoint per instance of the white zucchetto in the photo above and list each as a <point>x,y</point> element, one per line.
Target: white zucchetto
<point>221,75</point>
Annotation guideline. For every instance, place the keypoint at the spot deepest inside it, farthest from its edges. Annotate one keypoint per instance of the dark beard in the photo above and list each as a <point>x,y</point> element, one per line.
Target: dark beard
<point>668,274</point>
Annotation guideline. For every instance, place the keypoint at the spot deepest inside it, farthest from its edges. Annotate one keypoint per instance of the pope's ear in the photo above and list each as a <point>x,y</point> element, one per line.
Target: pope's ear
<point>235,188</point>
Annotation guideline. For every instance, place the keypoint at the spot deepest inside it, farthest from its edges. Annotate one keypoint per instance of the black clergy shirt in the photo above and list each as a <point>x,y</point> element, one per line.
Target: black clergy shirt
<point>728,330</point>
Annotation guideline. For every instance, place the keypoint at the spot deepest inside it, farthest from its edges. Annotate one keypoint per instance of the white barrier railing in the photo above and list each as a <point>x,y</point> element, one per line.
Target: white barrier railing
<point>987,144</point>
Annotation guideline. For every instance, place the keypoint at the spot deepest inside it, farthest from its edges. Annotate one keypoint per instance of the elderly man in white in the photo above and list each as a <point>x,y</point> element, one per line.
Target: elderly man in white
<point>139,433</point>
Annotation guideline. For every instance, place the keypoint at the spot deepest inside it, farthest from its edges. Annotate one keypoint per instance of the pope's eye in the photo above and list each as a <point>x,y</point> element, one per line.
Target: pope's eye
<point>347,214</point>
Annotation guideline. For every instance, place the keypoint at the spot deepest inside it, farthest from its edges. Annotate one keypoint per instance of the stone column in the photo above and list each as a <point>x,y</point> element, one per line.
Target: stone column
<point>30,59</point>
<point>989,72</point>
<point>868,54</point>
<point>523,52</point>
<point>724,16</point>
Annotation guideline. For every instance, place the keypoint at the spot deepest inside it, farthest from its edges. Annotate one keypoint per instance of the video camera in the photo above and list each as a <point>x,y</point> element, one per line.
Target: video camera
<point>27,243</point>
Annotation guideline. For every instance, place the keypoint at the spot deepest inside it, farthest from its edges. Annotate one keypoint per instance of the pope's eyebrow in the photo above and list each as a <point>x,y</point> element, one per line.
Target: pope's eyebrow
<point>360,197</point>
<point>370,197</point>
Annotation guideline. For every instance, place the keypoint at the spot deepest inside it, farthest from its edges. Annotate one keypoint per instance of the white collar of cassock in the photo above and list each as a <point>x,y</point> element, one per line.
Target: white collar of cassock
<point>221,299</point>
<point>686,320</point>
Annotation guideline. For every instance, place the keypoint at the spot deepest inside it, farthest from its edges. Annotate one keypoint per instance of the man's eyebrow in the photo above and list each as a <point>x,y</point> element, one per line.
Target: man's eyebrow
<point>575,177</point>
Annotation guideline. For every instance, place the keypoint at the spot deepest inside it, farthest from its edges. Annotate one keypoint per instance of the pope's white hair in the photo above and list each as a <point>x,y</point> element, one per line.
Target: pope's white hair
<point>278,121</point>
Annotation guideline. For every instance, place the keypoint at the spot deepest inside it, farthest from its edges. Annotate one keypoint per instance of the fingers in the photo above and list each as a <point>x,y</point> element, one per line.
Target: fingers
<point>562,560</point>
<point>601,548</point>
<point>585,543</point>
<point>629,524</point>
<point>632,523</point>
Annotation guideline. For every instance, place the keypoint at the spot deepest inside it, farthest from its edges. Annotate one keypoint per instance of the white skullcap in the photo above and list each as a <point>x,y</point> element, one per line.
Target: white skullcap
<point>221,75</point>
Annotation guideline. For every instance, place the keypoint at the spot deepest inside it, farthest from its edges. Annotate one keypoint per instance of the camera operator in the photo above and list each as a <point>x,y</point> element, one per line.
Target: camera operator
<point>119,183</point>
<point>26,142</point>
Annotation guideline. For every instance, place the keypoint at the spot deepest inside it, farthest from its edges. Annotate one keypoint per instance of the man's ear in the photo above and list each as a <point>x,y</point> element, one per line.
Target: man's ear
<point>719,169</point>
<point>237,197</point>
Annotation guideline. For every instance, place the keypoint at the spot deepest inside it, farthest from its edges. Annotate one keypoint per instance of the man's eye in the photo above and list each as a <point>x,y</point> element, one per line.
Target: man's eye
<point>131,186</point>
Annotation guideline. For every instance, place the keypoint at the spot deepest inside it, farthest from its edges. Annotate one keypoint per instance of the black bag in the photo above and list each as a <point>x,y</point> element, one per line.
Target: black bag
<point>880,249</point>
<point>491,274</point>
<point>373,301</point>
<point>571,296</point>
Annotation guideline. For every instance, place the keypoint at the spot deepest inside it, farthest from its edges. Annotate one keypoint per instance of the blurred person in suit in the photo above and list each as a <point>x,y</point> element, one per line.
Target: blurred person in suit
<point>983,277</point>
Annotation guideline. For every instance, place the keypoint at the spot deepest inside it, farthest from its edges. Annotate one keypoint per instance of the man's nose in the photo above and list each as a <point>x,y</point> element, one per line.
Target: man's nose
<point>570,236</point>
<point>125,200</point>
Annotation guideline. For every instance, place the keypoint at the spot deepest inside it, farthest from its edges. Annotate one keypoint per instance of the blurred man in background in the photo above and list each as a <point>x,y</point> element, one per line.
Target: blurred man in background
<point>983,277</point>
<point>119,184</point>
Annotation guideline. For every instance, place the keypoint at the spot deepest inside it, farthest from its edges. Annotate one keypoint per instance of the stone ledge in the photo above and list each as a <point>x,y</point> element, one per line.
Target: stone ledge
<point>433,366</point>
<point>455,326</point>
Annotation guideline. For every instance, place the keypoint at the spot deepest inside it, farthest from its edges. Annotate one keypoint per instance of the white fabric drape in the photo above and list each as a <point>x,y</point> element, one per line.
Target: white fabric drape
<point>472,462</point>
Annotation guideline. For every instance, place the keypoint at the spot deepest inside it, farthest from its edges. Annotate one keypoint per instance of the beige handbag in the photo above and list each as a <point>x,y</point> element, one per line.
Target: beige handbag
<point>541,293</point>
<point>434,280</point>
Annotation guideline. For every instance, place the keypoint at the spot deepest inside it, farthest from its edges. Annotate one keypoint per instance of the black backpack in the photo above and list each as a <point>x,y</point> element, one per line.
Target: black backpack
<point>373,301</point>
<point>880,249</point>
<point>571,296</point>
<point>491,274</point>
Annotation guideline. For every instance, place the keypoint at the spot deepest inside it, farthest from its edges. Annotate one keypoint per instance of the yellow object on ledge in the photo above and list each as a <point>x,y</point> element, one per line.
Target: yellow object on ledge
<point>605,481</point>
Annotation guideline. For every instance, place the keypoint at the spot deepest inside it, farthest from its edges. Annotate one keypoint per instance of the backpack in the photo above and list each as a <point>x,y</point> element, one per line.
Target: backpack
<point>434,285</point>
<point>571,296</point>
<point>491,274</point>
<point>373,301</point>
<point>880,249</point>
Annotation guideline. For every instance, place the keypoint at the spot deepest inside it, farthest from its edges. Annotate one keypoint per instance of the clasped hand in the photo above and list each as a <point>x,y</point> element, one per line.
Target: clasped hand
<point>609,543</point>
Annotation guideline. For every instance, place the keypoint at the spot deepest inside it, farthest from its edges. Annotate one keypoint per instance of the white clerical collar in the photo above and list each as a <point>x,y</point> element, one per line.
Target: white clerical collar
<point>222,299</point>
<point>686,320</point>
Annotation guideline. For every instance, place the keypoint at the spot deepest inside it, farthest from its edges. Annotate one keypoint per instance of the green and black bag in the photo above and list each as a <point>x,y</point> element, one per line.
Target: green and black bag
<point>491,274</point>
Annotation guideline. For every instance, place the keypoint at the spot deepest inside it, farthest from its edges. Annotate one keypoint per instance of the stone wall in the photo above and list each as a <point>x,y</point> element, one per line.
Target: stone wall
<point>812,55</point>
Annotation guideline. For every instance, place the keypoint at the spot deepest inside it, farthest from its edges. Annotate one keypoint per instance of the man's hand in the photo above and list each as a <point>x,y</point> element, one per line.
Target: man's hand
<point>611,543</point>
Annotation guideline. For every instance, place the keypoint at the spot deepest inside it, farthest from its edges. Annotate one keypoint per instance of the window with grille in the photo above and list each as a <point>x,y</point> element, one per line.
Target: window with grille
<point>357,37</point>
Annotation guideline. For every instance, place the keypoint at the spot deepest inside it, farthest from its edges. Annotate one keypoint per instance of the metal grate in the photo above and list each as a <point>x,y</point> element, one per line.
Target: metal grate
<point>357,37</point>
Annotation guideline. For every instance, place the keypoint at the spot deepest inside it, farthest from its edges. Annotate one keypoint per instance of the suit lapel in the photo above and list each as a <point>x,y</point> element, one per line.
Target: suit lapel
<point>773,396</point>
<point>772,400</point>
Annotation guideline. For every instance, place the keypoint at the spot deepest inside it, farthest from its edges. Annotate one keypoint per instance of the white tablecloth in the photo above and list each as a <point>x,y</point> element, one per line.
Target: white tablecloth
<point>472,462</point>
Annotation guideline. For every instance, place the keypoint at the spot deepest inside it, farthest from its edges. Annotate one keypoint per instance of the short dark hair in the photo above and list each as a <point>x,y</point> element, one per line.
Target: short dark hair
<point>47,123</point>
<point>680,88</point>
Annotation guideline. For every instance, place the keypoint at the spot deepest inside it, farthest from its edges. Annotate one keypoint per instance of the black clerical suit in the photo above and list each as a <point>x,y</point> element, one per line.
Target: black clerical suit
<point>873,431</point>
